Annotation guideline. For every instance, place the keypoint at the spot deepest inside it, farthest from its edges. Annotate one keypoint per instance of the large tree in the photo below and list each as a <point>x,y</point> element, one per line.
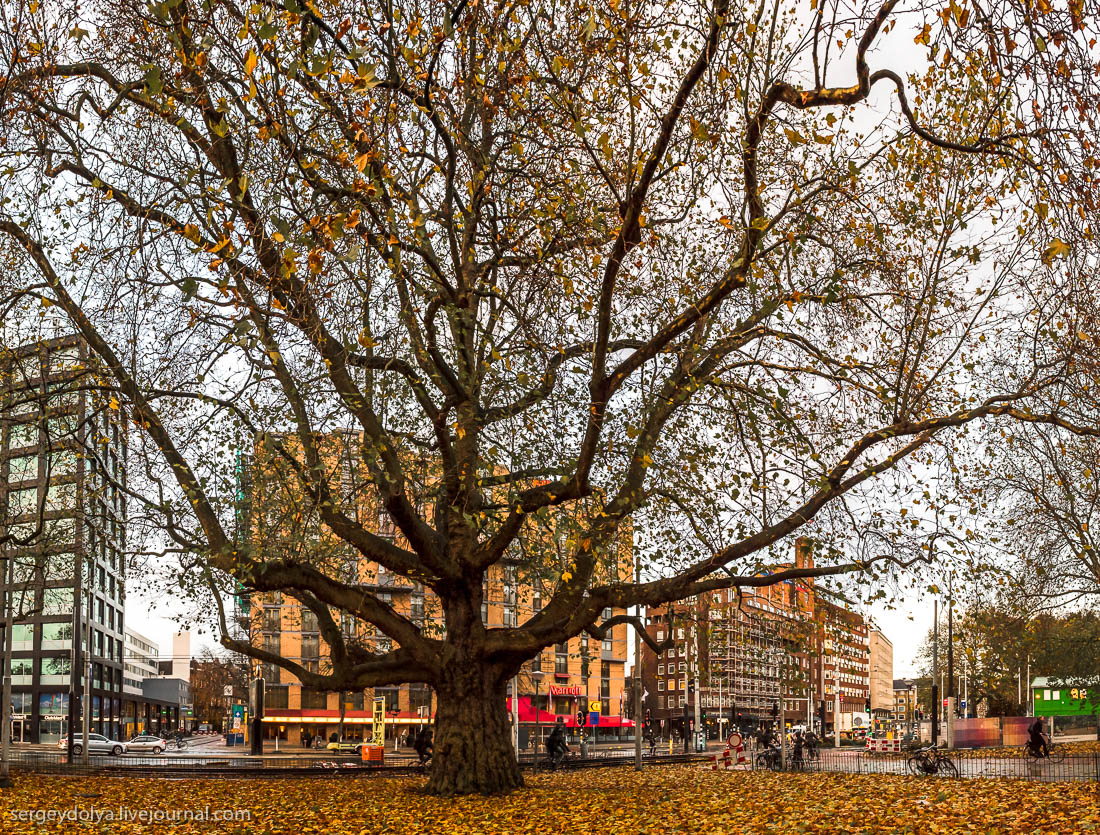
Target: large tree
<point>720,272</point>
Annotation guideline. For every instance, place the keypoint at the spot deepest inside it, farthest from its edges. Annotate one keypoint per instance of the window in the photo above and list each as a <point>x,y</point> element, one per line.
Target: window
<point>55,666</point>
<point>607,613</point>
<point>23,502</point>
<point>309,621</point>
<point>271,620</point>
<point>23,468</point>
<point>22,666</point>
<point>23,435</point>
<point>416,607</point>
<point>660,669</point>
<point>61,497</point>
<point>660,634</point>
<point>57,601</point>
<point>276,696</point>
<point>608,646</point>
<point>312,700</point>
<point>660,685</point>
<point>62,462</point>
<point>311,647</point>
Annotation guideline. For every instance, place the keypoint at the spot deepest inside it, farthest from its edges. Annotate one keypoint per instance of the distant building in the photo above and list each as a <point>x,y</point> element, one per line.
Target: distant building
<point>775,653</point>
<point>905,704</point>
<point>882,675</point>
<point>139,661</point>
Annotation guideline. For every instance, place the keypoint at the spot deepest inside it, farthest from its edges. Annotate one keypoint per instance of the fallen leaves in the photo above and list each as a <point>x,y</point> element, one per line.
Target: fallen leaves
<point>606,801</point>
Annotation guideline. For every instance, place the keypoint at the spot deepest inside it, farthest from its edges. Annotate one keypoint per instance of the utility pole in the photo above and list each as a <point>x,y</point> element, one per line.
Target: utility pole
<point>5,700</point>
<point>950,662</point>
<point>86,702</point>
<point>636,682</point>
<point>935,671</point>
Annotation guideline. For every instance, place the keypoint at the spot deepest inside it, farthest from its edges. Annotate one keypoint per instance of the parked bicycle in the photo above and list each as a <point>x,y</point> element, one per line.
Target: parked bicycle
<point>931,760</point>
<point>769,758</point>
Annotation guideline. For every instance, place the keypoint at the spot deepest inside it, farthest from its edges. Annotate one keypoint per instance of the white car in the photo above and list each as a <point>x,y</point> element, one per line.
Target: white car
<point>97,744</point>
<point>146,742</point>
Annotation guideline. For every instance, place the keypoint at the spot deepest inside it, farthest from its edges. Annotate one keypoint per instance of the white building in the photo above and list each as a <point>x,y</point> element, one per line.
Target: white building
<point>139,661</point>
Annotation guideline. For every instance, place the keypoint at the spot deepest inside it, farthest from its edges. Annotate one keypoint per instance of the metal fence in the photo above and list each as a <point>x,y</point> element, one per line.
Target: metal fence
<point>56,762</point>
<point>968,765</point>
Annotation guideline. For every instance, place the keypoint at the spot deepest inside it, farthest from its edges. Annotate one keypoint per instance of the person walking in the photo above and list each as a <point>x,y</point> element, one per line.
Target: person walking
<point>307,739</point>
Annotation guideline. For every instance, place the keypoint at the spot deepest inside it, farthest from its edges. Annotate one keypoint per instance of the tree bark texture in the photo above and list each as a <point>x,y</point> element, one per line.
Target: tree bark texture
<point>473,753</point>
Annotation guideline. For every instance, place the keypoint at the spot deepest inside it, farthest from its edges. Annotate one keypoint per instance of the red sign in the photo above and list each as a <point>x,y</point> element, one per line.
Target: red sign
<point>565,689</point>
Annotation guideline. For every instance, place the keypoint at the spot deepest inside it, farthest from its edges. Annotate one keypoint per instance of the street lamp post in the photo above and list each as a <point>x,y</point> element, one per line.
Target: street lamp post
<point>537,676</point>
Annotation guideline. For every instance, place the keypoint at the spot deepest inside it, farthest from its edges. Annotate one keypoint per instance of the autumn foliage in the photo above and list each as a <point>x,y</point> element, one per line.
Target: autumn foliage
<point>606,801</point>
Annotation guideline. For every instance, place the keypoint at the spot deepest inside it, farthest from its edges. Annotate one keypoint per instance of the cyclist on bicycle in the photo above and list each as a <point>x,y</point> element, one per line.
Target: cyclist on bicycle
<point>650,740</point>
<point>1037,740</point>
<point>556,746</point>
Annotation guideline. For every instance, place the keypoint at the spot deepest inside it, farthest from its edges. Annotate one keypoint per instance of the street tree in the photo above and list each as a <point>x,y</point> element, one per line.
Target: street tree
<point>713,274</point>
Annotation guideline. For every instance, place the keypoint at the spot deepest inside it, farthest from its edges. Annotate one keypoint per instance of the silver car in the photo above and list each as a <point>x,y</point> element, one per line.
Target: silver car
<point>97,744</point>
<point>155,744</point>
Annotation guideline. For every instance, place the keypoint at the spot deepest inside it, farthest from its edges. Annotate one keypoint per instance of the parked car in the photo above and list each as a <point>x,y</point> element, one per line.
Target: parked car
<point>147,742</point>
<point>97,744</point>
<point>350,747</point>
<point>205,728</point>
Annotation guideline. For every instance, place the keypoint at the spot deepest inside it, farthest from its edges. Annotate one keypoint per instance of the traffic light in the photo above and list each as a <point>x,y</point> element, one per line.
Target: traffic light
<point>648,716</point>
<point>703,714</point>
<point>582,719</point>
<point>691,688</point>
<point>867,704</point>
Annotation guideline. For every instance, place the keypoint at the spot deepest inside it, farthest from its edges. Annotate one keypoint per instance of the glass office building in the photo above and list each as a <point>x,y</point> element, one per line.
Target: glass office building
<point>62,537</point>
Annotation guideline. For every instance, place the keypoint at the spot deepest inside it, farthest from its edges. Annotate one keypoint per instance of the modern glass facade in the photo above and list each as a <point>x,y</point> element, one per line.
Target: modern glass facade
<point>62,530</point>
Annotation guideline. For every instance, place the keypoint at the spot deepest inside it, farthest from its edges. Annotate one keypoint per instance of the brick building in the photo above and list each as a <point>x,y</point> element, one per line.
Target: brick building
<point>755,656</point>
<point>560,681</point>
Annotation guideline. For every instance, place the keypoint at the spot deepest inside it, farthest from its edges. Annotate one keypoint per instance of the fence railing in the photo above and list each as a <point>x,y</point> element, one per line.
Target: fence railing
<point>968,765</point>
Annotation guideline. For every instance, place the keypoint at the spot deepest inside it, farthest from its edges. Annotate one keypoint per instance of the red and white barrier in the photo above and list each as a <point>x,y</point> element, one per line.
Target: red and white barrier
<point>884,746</point>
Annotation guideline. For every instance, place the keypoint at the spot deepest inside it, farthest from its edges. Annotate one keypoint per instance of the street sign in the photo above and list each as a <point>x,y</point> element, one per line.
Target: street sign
<point>227,690</point>
<point>594,718</point>
<point>594,705</point>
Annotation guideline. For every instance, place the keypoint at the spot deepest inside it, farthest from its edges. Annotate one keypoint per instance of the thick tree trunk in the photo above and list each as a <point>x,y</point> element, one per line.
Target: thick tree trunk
<point>473,740</point>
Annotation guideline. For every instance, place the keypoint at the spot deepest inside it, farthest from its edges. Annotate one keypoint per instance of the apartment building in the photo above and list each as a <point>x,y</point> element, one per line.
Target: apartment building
<point>63,528</point>
<point>882,674</point>
<point>755,655</point>
<point>560,681</point>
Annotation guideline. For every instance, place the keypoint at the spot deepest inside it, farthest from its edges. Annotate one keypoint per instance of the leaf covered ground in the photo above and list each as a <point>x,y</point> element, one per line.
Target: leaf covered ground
<point>606,801</point>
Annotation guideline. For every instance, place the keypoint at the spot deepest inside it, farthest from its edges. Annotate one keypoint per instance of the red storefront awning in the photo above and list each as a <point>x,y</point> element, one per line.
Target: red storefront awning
<point>545,717</point>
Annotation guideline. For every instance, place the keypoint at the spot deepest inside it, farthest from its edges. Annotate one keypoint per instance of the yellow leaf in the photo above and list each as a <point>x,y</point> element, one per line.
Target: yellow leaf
<point>794,137</point>
<point>1057,249</point>
<point>250,62</point>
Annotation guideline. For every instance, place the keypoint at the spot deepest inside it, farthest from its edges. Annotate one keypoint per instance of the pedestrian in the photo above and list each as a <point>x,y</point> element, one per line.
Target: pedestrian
<point>306,739</point>
<point>423,745</point>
